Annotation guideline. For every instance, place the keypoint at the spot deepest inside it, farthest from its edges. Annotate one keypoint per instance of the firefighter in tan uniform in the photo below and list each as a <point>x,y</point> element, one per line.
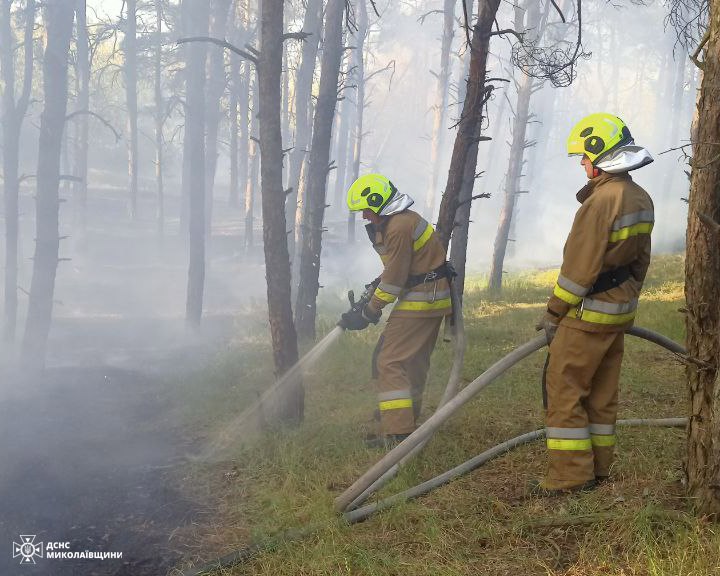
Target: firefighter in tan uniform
<point>417,280</point>
<point>605,260</point>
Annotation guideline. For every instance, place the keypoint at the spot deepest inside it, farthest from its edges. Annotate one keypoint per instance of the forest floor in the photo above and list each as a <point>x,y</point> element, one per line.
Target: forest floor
<point>638,523</point>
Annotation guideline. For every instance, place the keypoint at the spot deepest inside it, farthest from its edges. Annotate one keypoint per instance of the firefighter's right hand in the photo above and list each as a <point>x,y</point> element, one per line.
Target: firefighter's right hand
<point>358,318</point>
<point>549,324</point>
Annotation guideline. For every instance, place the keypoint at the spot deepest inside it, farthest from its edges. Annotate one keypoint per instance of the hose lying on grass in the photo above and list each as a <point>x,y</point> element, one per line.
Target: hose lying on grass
<point>431,425</point>
<point>363,513</point>
<point>420,436</point>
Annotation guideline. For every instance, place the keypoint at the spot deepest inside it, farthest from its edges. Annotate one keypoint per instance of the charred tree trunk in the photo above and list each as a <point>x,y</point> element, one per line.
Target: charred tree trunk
<point>82,121</point>
<point>441,103</point>
<point>464,156</point>
<point>702,287</point>
<point>130,71</point>
<point>305,307</point>
<point>277,260</point>
<point>59,20</point>
<point>194,159</point>
<point>303,116</point>
<point>159,120</point>
<point>216,82</point>
<point>13,114</point>
<point>359,74</point>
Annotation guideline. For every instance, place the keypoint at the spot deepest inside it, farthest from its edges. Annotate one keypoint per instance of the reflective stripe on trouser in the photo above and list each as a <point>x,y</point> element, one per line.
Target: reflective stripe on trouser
<point>582,393</point>
<point>401,363</point>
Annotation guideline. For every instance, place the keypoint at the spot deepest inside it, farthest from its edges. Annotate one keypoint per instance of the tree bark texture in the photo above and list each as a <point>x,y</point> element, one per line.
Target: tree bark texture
<point>318,161</point>
<point>469,127</point>
<point>312,24</point>
<point>441,103</point>
<point>13,114</point>
<point>80,185</point>
<point>194,159</point>
<point>58,23</point>
<point>130,71</point>
<point>702,287</point>
<point>216,82</point>
<point>277,260</point>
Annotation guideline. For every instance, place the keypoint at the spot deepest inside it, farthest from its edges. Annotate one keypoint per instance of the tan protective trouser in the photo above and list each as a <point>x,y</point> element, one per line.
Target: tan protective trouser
<point>582,397</point>
<point>400,365</point>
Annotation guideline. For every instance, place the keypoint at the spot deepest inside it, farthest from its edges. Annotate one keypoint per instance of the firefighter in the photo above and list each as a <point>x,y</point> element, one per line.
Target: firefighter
<point>417,279</point>
<point>605,260</point>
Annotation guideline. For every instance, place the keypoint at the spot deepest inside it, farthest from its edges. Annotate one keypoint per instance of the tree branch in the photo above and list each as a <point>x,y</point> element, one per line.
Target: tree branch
<point>222,43</point>
<point>694,56</point>
<point>94,115</point>
<point>296,35</point>
<point>562,16</point>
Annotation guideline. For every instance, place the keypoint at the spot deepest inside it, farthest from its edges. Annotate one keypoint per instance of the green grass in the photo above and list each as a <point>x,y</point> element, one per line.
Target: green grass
<point>482,523</point>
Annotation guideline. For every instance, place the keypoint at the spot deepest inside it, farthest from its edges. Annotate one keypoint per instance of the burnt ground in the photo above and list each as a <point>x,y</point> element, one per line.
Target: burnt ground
<point>92,452</point>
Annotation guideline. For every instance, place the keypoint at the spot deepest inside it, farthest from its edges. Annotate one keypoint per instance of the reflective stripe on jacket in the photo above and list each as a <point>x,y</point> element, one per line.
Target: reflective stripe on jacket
<point>408,245</point>
<point>611,229</point>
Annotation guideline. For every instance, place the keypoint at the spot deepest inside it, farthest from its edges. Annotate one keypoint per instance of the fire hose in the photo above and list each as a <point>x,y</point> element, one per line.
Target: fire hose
<point>388,465</point>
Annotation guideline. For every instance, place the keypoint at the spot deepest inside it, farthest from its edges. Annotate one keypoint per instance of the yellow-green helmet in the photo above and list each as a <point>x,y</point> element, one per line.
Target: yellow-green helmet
<point>596,135</point>
<point>370,191</point>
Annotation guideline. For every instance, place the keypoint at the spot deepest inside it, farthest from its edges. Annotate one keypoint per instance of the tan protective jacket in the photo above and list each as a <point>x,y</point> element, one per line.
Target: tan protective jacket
<point>408,245</point>
<point>611,229</point>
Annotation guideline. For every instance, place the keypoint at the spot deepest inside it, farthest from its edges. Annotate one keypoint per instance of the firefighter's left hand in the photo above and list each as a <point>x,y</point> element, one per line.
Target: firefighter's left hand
<point>549,324</point>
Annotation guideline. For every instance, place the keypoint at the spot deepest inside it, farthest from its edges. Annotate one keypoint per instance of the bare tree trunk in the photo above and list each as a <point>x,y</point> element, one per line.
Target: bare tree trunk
<point>130,70</point>
<point>464,156</point>
<point>530,14</point>
<point>441,102</point>
<point>194,158</point>
<point>253,158</point>
<point>159,120</point>
<point>13,114</point>
<point>216,82</point>
<point>702,287</point>
<point>341,154</point>
<point>58,25</point>
<point>277,260</point>
<point>236,87</point>
<point>312,24</point>
<point>305,307</point>
<point>80,185</point>
<point>359,74</point>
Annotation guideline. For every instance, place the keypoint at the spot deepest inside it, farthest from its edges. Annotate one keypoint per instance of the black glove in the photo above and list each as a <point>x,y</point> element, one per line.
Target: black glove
<point>358,318</point>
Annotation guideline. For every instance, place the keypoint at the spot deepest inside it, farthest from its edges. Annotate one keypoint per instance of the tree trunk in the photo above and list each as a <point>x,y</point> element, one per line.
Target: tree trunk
<point>80,171</point>
<point>341,155</point>
<point>359,65</point>
<point>441,102</point>
<point>254,160</point>
<point>303,118</point>
<point>216,82</point>
<point>58,25</point>
<point>464,156</point>
<point>159,120</point>
<point>277,260</point>
<point>525,88</point>
<point>305,307</point>
<point>13,114</point>
<point>194,158</point>
<point>702,286</point>
<point>130,70</point>
<point>236,86</point>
